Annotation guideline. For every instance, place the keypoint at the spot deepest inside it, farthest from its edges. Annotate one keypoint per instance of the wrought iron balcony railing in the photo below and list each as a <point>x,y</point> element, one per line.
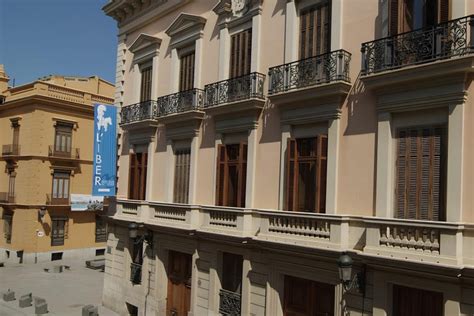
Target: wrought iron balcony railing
<point>71,153</point>
<point>236,89</point>
<point>11,150</point>
<point>229,304</point>
<point>325,68</point>
<point>7,197</point>
<point>146,110</point>
<point>53,200</point>
<point>136,273</point>
<point>180,102</point>
<point>442,41</point>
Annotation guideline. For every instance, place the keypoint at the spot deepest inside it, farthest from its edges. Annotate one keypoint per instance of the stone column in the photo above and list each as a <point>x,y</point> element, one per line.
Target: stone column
<point>198,63</point>
<point>291,29</point>
<point>385,160</point>
<point>455,163</point>
<point>251,168</point>
<point>224,48</point>
<point>256,43</point>
<point>285,134</point>
<point>336,24</point>
<point>154,78</point>
<point>332,166</point>
<point>170,180</point>
<point>193,170</point>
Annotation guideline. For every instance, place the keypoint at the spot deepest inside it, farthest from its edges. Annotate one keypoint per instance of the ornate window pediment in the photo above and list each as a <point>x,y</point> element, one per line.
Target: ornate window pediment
<point>145,47</point>
<point>185,29</point>
<point>235,9</point>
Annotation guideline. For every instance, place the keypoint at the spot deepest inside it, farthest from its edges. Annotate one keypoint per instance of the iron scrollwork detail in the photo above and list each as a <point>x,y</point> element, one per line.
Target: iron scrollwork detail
<point>180,102</point>
<point>320,69</point>
<point>146,110</point>
<point>229,303</point>
<point>235,89</point>
<point>441,41</point>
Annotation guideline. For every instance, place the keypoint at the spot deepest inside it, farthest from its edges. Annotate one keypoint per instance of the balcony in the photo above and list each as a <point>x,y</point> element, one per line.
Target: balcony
<point>67,153</point>
<point>7,197</point>
<point>417,241</point>
<point>313,71</point>
<point>11,150</point>
<point>234,90</point>
<point>229,304</point>
<point>50,200</point>
<point>139,112</point>
<point>189,100</point>
<point>446,40</point>
<point>135,273</point>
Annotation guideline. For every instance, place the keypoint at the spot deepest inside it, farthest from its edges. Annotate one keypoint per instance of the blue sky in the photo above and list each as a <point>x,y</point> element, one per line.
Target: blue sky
<point>65,37</point>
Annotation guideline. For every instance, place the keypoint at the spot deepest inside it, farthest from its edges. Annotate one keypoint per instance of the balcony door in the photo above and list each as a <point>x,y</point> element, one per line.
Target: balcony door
<point>409,15</point>
<point>137,176</point>
<point>63,139</point>
<point>179,284</point>
<point>307,298</point>
<point>315,25</point>
<point>231,175</point>
<point>146,82</point>
<point>415,302</point>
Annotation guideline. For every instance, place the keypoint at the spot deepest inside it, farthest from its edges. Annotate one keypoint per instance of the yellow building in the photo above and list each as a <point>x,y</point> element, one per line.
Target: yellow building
<point>46,132</point>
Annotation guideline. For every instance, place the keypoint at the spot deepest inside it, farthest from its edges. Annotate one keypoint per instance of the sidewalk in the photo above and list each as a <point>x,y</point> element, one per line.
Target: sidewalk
<point>66,293</point>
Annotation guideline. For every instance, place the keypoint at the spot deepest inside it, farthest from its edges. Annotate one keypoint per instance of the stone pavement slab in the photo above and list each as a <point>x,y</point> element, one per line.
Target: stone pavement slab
<point>65,293</point>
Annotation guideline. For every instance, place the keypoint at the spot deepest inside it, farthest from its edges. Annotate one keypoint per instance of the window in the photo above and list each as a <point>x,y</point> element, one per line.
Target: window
<point>16,137</point>
<point>137,261</point>
<point>186,72</point>
<point>315,24</point>
<point>241,53</point>
<point>181,175</point>
<point>59,229</point>
<point>145,89</point>
<point>408,15</point>
<point>61,181</point>
<point>137,180</point>
<point>100,229</point>
<point>11,186</point>
<point>421,173</point>
<point>232,272</point>
<point>415,302</point>
<point>63,139</point>
<point>231,175</point>
<point>7,227</point>
<point>306,297</point>
<point>306,174</point>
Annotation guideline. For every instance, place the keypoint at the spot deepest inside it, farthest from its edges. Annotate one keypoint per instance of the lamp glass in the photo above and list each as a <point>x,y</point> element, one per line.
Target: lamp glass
<point>132,230</point>
<point>345,273</point>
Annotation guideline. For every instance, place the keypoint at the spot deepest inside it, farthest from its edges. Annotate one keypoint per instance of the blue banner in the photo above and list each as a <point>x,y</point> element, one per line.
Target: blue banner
<point>105,150</point>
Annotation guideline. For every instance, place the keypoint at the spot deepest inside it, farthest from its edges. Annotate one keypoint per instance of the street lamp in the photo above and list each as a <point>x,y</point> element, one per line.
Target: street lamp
<point>133,234</point>
<point>345,274</point>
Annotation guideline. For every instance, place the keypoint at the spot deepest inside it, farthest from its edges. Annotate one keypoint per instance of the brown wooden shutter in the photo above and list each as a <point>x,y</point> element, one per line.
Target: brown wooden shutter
<point>393,9</point>
<point>291,167</point>
<point>241,53</point>
<point>186,75</point>
<point>146,82</point>
<point>220,174</point>
<point>181,175</point>
<point>144,167</point>
<point>321,174</point>
<point>242,174</point>
<point>443,14</point>
<point>315,25</point>
<point>132,177</point>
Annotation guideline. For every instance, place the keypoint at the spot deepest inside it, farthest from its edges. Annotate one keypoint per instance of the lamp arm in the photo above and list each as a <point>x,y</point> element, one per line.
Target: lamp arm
<point>357,282</point>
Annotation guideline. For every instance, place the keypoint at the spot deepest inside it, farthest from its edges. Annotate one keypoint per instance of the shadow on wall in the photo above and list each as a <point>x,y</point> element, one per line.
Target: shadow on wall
<point>125,145</point>
<point>208,134</point>
<point>362,114</point>
<point>160,139</point>
<point>271,131</point>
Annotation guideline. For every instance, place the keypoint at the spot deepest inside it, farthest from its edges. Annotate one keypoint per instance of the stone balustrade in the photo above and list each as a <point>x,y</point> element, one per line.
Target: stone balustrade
<point>410,240</point>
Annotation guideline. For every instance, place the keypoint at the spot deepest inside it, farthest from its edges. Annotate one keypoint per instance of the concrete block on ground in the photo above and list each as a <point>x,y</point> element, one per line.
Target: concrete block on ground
<point>95,264</point>
<point>86,310</point>
<point>41,307</point>
<point>26,300</point>
<point>8,296</point>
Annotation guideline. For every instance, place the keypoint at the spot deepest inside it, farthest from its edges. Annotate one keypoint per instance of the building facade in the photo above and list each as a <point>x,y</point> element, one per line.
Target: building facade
<point>262,139</point>
<point>46,132</point>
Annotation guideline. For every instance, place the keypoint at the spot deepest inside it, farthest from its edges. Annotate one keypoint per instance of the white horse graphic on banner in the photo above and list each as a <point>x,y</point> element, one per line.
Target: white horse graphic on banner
<point>102,122</point>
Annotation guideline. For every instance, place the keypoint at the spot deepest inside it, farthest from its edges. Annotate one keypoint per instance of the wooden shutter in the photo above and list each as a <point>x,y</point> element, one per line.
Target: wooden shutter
<point>315,24</point>
<point>242,174</point>
<point>420,174</point>
<point>220,174</point>
<point>393,9</point>
<point>146,82</point>
<point>291,165</point>
<point>240,53</point>
<point>132,178</point>
<point>416,302</point>
<point>186,74</point>
<point>143,172</point>
<point>321,174</point>
<point>443,13</point>
<point>181,175</point>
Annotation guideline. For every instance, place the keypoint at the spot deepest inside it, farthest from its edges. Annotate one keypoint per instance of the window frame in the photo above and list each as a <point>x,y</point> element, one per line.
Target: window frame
<point>137,180</point>
<point>100,229</point>
<point>65,177</point>
<point>58,239</point>
<point>240,46</point>
<point>322,36</point>
<point>182,175</point>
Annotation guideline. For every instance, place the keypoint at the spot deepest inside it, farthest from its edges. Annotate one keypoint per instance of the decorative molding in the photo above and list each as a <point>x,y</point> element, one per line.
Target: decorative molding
<point>145,47</point>
<point>235,12</point>
<point>185,29</point>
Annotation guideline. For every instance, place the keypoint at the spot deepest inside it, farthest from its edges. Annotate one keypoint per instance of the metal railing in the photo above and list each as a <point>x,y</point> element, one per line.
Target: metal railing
<point>146,110</point>
<point>230,303</point>
<point>235,89</point>
<point>320,69</point>
<point>7,197</point>
<point>11,150</point>
<point>50,200</point>
<point>71,153</point>
<point>136,273</point>
<point>444,40</point>
<point>180,102</point>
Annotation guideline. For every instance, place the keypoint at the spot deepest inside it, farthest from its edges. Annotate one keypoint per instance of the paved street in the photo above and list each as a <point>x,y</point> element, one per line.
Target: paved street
<point>66,293</point>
